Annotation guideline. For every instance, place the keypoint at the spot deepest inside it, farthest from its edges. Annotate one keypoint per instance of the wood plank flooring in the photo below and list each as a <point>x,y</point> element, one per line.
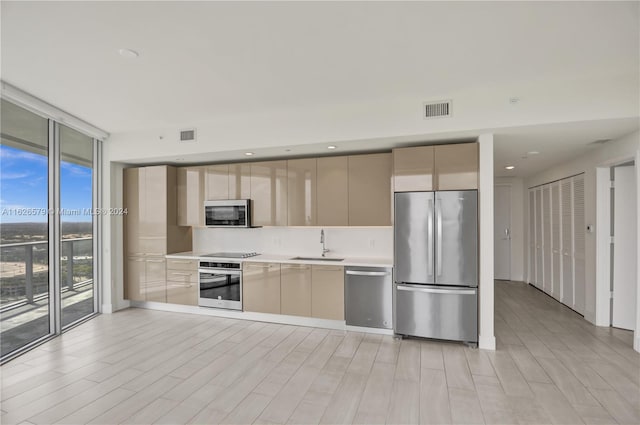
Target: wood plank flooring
<point>141,367</point>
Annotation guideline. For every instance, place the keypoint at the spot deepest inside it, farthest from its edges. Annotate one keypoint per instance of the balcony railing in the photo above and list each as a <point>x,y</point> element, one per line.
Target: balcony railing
<point>15,293</point>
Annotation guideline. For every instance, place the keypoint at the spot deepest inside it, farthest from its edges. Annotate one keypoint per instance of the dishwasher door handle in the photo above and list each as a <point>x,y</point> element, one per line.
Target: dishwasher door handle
<point>360,273</point>
<point>453,291</point>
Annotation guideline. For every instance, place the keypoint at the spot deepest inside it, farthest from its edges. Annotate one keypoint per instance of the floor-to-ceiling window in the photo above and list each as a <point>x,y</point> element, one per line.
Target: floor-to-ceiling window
<point>47,228</point>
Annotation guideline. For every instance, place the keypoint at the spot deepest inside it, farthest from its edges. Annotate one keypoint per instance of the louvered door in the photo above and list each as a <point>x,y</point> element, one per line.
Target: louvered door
<point>539,240</point>
<point>566,200</point>
<point>556,240</point>
<point>532,236</point>
<point>547,283</point>
<point>579,243</point>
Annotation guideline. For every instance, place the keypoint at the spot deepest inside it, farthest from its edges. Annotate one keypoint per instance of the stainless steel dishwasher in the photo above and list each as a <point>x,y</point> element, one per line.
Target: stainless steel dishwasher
<point>368,296</point>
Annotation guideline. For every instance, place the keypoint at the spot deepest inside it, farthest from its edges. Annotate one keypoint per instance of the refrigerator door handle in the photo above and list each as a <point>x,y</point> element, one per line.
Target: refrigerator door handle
<point>422,288</point>
<point>430,232</point>
<point>439,239</point>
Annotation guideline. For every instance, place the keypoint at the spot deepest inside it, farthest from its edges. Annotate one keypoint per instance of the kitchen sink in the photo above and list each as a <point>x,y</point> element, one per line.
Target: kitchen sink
<point>317,259</point>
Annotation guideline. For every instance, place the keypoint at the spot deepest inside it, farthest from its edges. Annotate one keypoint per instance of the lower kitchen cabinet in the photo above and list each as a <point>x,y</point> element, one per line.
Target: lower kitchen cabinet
<point>156,279</point>
<point>182,281</point>
<point>295,289</point>
<point>261,287</point>
<point>146,278</point>
<point>327,292</point>
<point>135,279</point>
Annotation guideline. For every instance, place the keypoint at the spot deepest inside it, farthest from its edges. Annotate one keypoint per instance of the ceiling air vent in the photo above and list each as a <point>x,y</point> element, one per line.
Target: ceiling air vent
<point>188,135</point>
<point>437,109</point>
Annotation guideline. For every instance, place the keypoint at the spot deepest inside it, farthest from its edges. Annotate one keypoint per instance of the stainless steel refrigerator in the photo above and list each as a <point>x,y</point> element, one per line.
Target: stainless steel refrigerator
<point>436,265</point>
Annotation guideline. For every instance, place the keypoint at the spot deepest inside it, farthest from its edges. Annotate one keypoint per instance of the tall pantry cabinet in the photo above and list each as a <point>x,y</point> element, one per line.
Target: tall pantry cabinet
<point>150,230</point>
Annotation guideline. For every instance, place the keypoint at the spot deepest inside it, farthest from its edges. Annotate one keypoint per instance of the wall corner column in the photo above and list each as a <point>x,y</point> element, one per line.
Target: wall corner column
<point>486,304</point>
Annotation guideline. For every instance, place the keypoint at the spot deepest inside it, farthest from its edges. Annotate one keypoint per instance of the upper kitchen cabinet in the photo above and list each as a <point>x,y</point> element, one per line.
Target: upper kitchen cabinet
<point>216,182</point>
<point>370,190</point>
<point>333,191</point>
<point>456,166</point>
<point>239,181</point>
<point>413,169</point>
<point>269,193</point>
<point>191,196</point>
<point>301,192</point>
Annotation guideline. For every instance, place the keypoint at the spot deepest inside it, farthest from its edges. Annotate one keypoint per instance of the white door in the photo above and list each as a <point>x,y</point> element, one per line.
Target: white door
<point>539,241</point>
<point>579,232</point>
<point>547,283</point>
<point>556,240</point>
<point>532,236</point>
<point>624,248</point>
<point>502,232</point>
<point>566,200</point>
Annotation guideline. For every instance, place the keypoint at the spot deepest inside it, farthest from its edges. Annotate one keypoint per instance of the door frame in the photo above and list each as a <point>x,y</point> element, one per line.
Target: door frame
<point>603,243</point>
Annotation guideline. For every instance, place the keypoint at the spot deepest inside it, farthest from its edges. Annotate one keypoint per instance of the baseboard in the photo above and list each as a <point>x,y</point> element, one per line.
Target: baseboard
<point>636,342</point>
<point>487,342</point>
<point>106,308</point>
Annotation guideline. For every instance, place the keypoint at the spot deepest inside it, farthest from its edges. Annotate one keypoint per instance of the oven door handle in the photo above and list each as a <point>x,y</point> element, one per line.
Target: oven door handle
<point>221,272</point>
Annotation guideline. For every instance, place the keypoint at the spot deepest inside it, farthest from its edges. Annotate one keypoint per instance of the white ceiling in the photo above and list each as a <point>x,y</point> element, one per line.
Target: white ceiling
<point>204,59</point>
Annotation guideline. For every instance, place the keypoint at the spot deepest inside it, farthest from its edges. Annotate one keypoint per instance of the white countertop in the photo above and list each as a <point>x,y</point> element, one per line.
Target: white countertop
<point>274,258</point>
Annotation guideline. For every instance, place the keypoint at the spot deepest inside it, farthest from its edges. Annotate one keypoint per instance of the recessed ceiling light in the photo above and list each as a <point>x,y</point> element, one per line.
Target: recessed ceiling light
<point>509,167</point>
<point>331,147</point>
<point>128,53</point>
<point>248,153</point>
<point>514,100</point>
<point>533,153</point>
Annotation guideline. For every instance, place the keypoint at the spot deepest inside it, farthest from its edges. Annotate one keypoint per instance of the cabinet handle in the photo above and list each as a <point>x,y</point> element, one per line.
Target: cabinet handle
<point>361,273</point>
<point>155,261</point>
<point>180,261</point>
<point>181,274</point>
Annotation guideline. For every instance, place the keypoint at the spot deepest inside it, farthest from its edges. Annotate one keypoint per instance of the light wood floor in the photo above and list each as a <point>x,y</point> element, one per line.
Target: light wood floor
<point>142,366</point>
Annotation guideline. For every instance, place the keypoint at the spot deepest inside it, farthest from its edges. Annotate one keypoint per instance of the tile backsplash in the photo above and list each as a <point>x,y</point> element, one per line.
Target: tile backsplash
<point>372,242</point>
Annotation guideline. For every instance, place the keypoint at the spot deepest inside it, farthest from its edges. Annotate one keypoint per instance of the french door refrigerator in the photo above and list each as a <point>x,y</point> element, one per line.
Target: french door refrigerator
<point>436,265</point>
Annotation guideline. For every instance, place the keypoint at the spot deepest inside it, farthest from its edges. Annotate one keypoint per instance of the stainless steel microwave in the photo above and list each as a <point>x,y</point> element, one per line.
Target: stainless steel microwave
<point>231,213</point>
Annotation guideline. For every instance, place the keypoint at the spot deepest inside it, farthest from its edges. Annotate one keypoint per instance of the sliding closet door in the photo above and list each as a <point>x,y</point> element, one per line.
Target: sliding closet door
<point>579,243</point>
<point>556,240</point>
<point>566,197</point>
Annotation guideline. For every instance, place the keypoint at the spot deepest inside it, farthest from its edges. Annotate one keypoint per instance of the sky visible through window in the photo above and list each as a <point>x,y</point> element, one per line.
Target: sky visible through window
<point>23,186</point>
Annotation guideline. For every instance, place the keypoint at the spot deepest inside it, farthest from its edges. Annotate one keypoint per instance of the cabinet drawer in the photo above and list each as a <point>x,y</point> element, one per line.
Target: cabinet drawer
<point>179,264</point>
<point>182,276</point>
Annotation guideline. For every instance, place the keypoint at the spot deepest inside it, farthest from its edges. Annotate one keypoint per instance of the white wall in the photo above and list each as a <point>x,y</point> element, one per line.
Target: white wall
<point>611,153</point>
<point>517,225</point>
<point>370,242</point>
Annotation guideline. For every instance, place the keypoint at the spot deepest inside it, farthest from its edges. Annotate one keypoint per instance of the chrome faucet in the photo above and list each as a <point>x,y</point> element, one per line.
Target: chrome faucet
<point>324,249</point>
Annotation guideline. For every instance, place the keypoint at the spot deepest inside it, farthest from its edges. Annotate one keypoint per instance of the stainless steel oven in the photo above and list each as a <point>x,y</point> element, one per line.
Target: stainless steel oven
<point>228,213</point>
<point>220,284</point>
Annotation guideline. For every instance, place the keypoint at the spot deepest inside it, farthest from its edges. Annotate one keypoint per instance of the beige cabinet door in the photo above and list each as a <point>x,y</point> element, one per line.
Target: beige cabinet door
<point>333,191</point>
<point>153,224</point>
<point>413,169</point>
<point>190,182</point>
<point>133,202</point>
<point>269,193</point>
<point>295,289</point>
<point>216,182</point>
<point>370,190</point>
<point>182,286</point>
<point>134,279</point>
<point>456,166</point>
<point>239,181</point>
<point>261,287</point>
<point>156,279</point>
<point>301,192</point>
<point>327,292</point>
